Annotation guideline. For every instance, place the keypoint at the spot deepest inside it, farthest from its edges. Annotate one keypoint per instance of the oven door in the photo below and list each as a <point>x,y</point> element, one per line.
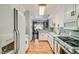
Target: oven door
<point>60,49</point>
<point>64,50</point>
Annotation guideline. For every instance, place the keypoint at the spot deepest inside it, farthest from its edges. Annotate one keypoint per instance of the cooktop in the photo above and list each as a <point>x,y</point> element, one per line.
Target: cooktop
<point>69,40</point>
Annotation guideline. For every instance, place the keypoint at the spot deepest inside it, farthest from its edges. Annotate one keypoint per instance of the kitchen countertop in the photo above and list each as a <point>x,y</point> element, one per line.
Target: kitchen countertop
<point>51,33</point>
<point>47,31</point>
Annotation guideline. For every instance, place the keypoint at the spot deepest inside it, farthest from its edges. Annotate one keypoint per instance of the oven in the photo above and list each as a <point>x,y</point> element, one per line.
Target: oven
<point>64,50</point>
<point>61,49</point>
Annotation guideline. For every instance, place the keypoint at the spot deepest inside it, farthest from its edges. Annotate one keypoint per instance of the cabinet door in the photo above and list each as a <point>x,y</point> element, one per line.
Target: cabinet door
<point>43,36</point>
<point>49,39</point>
<point>77,9</point>
<point>27,43</point>
<point>56,47</point>
<point>59,48</point>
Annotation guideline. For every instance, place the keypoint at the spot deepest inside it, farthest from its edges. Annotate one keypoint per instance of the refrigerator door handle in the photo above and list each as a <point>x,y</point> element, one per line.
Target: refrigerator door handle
<point>17,41</point>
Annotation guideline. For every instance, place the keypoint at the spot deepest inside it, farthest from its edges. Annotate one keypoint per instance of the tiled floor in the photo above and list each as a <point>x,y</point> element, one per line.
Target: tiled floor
<point>42,48</point>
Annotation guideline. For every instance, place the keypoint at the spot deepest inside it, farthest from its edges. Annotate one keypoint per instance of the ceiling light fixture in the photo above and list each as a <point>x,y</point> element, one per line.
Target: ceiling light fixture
<point>42,9</point>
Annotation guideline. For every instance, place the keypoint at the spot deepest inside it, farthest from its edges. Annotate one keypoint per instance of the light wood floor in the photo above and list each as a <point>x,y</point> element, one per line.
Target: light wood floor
<point>42,48</point>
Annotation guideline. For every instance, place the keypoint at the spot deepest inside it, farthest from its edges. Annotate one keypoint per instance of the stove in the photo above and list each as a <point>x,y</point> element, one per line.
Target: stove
<point>71,41</point>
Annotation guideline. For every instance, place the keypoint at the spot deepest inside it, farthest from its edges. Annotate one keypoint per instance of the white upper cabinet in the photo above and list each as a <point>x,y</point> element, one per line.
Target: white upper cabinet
<point>51,23</point>
<point>68,10</point>
<point>77,9</point>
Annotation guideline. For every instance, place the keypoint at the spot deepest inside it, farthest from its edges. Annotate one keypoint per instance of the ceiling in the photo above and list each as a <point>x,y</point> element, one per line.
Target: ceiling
<point>34,8</point>
<point>51,10</point>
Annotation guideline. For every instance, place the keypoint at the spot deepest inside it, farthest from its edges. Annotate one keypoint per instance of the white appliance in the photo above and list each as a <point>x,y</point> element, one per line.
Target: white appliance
<point>73,24</point>
<point>19,29</point>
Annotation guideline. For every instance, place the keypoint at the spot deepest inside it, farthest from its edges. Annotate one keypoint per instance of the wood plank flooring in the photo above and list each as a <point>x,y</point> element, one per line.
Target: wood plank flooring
<point>42,48</point>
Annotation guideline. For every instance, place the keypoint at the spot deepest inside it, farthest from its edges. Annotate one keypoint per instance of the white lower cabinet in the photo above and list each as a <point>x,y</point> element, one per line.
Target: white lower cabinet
<point>24,46</point>
<point>26,43</point>
<point>42,36</point>
<point>57,47</point>
<point>50,40</point>
<point>53,44</point>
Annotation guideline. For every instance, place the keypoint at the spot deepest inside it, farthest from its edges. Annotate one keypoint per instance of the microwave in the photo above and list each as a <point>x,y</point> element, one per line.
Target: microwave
<point>72,25</point>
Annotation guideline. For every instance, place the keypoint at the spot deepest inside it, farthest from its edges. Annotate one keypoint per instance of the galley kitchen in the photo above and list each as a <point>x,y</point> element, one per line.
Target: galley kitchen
<point>39,29</point>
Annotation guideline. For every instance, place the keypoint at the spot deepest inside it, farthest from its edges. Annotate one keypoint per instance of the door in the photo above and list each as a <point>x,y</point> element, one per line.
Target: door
<point>21,31</point>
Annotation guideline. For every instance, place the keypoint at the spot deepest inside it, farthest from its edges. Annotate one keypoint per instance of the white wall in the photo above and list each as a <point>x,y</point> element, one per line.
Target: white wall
<point>6,19</point>
<point>58,15</point>
<point>18,7</point>
<point>28,23</point>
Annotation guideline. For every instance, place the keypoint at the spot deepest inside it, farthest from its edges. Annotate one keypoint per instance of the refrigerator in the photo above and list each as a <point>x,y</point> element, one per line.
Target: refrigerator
<point>19,31</point>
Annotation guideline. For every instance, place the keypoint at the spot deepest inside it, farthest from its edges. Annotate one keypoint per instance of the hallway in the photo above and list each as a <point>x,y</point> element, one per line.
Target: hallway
<point>43,48</point>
